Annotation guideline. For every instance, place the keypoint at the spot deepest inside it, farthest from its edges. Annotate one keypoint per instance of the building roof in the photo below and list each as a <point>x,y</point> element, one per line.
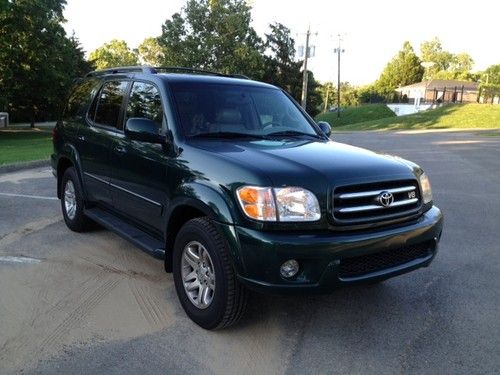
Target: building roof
<point>440,84</point>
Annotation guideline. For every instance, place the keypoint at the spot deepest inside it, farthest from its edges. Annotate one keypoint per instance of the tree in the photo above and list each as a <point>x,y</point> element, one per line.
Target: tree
<point>112,54</point>
<point>404,69</point>
<point>215,35</point>
<point>441,64</point>
<point>151,52</point>
<point>37,60</point>
<point>281,69</point>
<point>491,75</point>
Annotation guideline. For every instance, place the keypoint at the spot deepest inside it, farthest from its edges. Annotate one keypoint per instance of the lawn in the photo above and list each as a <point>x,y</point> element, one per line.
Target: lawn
<point>24,144</point>
<point>352,115</point>
<point>458,116</point>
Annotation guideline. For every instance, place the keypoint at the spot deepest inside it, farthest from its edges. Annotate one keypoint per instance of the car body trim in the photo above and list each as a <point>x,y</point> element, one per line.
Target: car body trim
<point>123,189</point>
<point>376,192</point>
<point>376,207</point>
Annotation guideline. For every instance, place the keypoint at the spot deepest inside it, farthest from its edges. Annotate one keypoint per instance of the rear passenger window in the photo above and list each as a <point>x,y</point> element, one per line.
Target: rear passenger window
<point>145,102</point>
<point>109,103</point>
<point>79,99</point>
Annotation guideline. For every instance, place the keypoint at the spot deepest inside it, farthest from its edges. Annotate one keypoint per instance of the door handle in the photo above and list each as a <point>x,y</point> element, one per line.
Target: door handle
<point>120,149</point>
<point>81,138</point>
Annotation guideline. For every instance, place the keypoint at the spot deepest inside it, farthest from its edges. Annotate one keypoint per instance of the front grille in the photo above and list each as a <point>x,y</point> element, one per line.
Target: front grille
<point>365,264</point>
<point>363,203</point>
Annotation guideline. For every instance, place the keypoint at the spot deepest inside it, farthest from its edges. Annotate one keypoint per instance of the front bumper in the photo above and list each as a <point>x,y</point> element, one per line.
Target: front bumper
<point>259,255</point>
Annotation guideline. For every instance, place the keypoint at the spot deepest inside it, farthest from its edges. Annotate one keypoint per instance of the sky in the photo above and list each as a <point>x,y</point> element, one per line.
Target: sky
<point>372,32</point>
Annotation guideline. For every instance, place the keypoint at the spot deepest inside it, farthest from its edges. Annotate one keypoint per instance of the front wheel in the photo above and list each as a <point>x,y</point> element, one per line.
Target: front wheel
<point>204,278</point>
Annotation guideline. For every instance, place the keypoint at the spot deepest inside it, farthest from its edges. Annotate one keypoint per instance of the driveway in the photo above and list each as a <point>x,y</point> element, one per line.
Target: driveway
<point>93,303</point>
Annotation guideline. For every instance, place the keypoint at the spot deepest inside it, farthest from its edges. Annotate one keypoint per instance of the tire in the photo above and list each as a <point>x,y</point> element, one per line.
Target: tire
<point>72,202</point>
<point>229,296</point>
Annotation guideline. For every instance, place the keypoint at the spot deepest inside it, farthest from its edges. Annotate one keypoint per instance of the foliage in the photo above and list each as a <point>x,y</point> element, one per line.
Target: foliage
<point>215,35</point>
<point>37,60</point>
<point>112,54</point>
<point>348,95</point>
<point>352,115</point>
<point>404,69</point>
<point>151,52</point>
<point>442,64</point>
<point>491,75</point>
<point>454,116</point>
<point>281,69</point>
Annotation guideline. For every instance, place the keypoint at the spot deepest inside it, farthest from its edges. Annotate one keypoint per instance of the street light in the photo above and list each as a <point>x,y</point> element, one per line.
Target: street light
<point>338,51</point>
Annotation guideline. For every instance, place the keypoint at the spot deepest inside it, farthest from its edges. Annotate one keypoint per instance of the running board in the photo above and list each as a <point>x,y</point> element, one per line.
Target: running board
<point>138,237</point>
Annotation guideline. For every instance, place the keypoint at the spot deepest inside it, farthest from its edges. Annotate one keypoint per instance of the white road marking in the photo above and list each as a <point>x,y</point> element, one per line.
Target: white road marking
<point>11,259</point>
<point>28,196</point>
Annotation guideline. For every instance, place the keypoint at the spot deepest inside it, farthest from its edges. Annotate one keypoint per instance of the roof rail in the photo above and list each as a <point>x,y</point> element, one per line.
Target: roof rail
<point>156,69</point>
<point>122,69</point>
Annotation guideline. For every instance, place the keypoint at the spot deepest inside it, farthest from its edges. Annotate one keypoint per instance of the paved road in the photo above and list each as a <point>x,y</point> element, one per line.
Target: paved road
<point>92,303</point>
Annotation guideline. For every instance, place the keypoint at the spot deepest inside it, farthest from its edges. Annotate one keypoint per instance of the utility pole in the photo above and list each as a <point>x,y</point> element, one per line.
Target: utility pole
<point>338,51</point>
<point>304,76</point>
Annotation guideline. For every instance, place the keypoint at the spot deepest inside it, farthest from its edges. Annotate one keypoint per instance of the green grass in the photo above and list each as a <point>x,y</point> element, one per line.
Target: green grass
<point>24,144</point>
<point>458,116</point>
<point>352,115</point>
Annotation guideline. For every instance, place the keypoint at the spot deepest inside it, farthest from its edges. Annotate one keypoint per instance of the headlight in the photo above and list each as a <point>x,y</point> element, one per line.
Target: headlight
<point>296,204</point>
<point>425,187</point>
<point>278,204</point>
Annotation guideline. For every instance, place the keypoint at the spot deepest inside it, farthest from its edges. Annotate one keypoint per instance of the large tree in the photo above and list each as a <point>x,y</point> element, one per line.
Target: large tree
<point>281,68</point>
<point>404,69</point>
<point>151,52</point>
<point>37,60</point>
<point>113,54</point>
<point>441,64</point>
<point>213,34</point>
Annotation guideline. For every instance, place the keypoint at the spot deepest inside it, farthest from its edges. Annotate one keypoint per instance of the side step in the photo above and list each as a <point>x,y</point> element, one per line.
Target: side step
<point>138,237</point>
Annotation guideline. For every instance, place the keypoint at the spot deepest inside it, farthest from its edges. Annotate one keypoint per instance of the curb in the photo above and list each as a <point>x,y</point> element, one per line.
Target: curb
<point>24,165</point>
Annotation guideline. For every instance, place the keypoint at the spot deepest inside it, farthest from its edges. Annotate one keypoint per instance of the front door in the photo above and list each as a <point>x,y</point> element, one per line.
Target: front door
<point>139,176</point>
<point>95,138</point>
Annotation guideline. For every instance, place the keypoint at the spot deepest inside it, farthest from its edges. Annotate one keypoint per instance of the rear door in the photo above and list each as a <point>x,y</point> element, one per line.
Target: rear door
<point>139,176</point>
<point>94,140</point>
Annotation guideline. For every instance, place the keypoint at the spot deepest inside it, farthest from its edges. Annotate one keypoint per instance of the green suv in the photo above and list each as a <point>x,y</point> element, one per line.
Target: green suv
<point>236,188</point>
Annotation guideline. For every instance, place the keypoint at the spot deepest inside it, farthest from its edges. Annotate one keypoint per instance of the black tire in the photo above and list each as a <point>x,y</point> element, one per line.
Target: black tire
<point>77,221</point>
<point>230,296</point>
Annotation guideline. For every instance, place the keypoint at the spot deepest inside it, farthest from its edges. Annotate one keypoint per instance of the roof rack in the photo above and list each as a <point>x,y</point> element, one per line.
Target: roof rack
<point>122,69</point>
<point>156,69</point>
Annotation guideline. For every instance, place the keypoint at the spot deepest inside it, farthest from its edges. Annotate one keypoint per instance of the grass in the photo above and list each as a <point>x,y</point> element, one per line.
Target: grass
<point>352,115</point>
<point>24,144</point>
<point>458,116</point>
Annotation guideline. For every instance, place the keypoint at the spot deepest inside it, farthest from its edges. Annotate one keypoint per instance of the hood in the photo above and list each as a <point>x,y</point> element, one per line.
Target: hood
<point>305,163</point>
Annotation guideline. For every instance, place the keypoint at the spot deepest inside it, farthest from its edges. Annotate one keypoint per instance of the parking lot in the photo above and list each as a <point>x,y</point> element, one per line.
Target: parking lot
<point>93,303</point>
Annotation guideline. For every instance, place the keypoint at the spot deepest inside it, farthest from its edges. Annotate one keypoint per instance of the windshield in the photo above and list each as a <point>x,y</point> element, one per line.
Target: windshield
<point>210,110</point>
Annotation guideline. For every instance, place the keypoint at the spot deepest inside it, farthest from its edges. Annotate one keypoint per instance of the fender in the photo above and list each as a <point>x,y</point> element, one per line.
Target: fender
<point>205,198</point>
<point>69,152</point>
<point>215,204</point>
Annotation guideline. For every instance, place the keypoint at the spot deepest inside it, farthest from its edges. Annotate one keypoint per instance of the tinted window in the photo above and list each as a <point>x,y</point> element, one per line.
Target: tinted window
<point>79,99</point>
<point>145,102</point>
<point>241,109</point>
<point>109,104</point>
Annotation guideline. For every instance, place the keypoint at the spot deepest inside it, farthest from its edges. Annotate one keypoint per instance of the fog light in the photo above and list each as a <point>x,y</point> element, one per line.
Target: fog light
<point>289,268</point>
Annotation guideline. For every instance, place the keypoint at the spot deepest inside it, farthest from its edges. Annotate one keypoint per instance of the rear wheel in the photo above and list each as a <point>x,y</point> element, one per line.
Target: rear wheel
<point>72,202</point>
<point>205,280</point>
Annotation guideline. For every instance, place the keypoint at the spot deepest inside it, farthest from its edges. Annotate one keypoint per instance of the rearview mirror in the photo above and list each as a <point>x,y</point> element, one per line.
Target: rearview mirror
<point>144,130</point>
<point>325,128</point>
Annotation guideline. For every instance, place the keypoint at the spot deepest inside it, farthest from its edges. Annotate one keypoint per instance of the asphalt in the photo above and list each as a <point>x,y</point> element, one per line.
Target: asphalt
<point>93,303</point>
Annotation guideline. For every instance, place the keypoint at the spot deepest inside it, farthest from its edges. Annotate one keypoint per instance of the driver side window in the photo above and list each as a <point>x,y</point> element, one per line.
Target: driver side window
<point>145,102</point>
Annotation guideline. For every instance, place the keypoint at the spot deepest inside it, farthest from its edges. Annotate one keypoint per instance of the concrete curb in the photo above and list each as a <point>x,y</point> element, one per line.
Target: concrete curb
<point>24,165</point>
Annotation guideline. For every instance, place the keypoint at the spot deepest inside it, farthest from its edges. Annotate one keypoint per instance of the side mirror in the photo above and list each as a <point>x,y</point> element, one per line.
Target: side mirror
<point>144,130</point>
<point>325,128</point>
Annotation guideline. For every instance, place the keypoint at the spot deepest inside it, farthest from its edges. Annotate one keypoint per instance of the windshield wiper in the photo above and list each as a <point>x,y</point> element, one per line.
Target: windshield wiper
<point>228,135</point>
<point>292,133</point>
